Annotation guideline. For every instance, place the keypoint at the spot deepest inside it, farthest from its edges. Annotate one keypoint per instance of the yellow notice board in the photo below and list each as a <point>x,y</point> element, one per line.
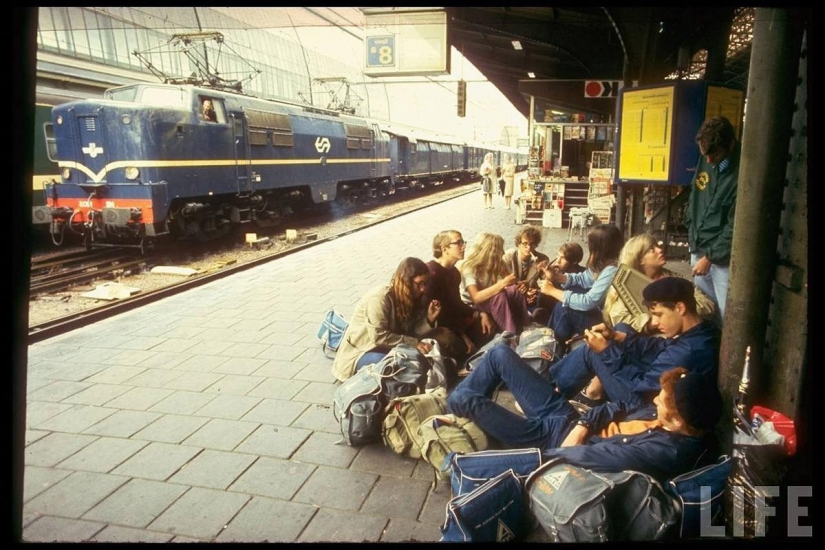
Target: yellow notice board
<point>728,103</point>
<point>647,123</point>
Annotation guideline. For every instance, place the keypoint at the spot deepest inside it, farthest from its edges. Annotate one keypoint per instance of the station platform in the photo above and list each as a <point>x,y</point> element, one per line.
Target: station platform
<point>207,416</point>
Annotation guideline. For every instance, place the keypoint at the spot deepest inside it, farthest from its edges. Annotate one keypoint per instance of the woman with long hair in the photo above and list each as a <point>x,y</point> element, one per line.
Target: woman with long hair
<point>486,284</point>
<point>472,325</point>
<point>644,254</point>
<point>386,316</point>
<point>581,295</point>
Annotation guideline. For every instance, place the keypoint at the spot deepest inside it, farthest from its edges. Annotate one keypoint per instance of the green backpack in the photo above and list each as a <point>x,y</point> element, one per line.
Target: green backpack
<point>403,416</point>
<point>443,434</point>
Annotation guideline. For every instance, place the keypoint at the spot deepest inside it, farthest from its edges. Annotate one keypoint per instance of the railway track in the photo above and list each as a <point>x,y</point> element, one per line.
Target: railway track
<point>63,272</point>
<point>42,330</point>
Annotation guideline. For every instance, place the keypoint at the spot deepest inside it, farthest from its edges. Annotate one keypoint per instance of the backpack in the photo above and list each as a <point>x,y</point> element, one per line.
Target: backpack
<point>575,504</point>
<point>358,406</point>
<point>471,470</point>
<point>442,434</point>
<point>538,348</point>
<point>505,337</point>
<point>403,371</point>
<point>403,416</point>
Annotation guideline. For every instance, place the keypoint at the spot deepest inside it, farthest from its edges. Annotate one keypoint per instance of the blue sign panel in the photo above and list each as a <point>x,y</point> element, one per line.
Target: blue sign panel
<point>380,51</point>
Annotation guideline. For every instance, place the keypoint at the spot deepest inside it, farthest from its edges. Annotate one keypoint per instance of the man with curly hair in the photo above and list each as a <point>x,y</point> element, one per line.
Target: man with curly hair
<point>710,210</point>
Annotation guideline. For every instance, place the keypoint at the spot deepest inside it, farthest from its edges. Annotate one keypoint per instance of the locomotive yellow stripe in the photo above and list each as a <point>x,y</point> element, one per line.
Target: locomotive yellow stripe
<point>190,163</point>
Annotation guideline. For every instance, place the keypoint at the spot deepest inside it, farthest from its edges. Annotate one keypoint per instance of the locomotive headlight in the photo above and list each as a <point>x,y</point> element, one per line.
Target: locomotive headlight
<point>127,119</point>
<point>132,173</point>
<point>60,119</point>
<point>66,173</point>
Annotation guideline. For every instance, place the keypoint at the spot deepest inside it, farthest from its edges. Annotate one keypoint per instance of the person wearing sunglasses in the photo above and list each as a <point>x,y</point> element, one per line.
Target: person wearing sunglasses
<point>473,326</point>
<point>525,262</point>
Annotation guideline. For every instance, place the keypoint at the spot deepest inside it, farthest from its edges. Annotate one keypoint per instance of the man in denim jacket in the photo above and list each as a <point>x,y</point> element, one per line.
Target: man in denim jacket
<point>662,440</point>
<point>622,365</point>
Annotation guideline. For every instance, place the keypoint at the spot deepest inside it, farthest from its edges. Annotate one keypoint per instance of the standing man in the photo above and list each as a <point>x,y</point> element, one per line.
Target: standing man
<point>711,207</point>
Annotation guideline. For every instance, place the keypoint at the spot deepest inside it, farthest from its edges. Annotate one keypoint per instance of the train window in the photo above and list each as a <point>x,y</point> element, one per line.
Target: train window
<point>51,142</point>
<point>126,93</point>
<point>164,97</point>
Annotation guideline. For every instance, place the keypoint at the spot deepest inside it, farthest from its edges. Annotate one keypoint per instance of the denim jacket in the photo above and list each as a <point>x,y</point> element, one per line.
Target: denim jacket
<point>656,451</point>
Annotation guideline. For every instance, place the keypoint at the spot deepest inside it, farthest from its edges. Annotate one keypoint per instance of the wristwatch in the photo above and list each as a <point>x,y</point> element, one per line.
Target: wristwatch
<point>583,422</point>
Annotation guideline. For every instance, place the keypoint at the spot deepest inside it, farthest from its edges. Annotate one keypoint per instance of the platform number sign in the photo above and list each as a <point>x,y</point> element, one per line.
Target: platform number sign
<point>380,51</point>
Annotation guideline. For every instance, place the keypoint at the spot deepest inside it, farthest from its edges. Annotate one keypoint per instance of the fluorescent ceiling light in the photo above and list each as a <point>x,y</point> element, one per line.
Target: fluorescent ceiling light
<point>516,45</point>
<point>531,75</point>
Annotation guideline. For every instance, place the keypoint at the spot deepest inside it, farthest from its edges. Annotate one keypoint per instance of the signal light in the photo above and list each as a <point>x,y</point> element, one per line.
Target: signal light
<point>461,96</point>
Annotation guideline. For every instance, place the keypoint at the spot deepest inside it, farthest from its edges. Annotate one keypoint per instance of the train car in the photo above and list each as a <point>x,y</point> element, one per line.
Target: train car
<point>144,162</point>
<point>419,158</point>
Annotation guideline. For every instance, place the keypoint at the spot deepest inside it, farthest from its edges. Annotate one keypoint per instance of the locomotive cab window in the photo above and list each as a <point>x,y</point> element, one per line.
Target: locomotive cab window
<point>51,141</point>
<point>211,110</point>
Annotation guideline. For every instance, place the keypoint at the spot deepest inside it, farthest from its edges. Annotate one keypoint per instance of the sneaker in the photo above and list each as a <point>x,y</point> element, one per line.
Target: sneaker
<point>582,403</point>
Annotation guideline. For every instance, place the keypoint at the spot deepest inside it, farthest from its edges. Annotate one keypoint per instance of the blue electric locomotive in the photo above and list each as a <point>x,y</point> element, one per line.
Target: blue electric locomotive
<point>148,161</point>
<point>143,162</point>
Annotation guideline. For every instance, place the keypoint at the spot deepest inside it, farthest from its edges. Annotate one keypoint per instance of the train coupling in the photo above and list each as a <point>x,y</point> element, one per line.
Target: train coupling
<point>47,214</point>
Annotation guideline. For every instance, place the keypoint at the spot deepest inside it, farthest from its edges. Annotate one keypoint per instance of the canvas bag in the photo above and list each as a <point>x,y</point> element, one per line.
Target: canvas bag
<point>332,331</point>
<point>492,512</point>
<point>442,434</point>
<point>403,372</point>
<point>471,470</point>
<point>404,415</point>
<point>505,337</point>
<point>358,406</point>
<point>538,347</point>
<point>688,490</point>
<point>575,504</point>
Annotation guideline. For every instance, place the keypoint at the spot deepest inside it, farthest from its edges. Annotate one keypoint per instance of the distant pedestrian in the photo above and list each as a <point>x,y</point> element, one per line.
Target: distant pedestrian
<point>508,174</point>
<point>487,171</point>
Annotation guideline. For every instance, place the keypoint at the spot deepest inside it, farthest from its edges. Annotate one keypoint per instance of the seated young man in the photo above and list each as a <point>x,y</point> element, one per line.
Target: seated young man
<point>627,365</point>
<point>662,440</point>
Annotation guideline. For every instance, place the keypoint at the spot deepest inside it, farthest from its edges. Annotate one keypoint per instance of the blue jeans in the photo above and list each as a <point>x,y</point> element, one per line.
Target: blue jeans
<point>372,356</point>
<point>567,322</point>
<point>549,417</point>
<point>714,284</point>
<point>574,371</point>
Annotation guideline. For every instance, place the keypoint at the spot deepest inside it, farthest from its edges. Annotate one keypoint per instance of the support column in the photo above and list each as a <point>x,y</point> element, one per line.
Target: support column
<point>765,143</point>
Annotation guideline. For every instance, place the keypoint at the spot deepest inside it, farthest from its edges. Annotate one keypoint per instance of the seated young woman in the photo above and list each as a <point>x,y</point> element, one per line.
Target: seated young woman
<point>581,295</point>
<point>644,254</point>
<point>474,327</point>
<point>386,316</point>
<point>487,285</point>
